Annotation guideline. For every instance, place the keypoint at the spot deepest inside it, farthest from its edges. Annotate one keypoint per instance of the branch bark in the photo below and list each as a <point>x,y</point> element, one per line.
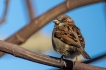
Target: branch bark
<point>44,59</point>
<point>37,23</point>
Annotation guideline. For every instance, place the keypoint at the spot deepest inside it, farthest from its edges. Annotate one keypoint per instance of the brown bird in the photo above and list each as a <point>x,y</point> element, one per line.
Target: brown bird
<point>67,38</point>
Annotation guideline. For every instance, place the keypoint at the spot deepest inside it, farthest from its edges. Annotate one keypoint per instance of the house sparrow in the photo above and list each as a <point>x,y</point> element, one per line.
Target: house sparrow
<point>67,38</point>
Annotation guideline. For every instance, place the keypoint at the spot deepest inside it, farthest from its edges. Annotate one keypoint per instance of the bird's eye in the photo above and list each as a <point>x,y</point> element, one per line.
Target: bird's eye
<point>63,20</point>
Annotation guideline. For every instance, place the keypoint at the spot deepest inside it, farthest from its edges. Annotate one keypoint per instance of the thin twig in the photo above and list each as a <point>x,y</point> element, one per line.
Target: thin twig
<point>5,12</point>
<point>30,9</point>
<point>44,59</point>
<point>103,56</point>
<point>37,23</point>
<point>105,12</point>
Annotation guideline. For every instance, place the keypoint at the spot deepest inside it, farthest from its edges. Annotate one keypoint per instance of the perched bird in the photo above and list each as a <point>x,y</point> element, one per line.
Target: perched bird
<point>67,38</point>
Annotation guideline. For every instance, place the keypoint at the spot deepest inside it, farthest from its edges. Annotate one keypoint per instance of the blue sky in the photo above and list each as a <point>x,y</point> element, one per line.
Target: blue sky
<point>90,19</point>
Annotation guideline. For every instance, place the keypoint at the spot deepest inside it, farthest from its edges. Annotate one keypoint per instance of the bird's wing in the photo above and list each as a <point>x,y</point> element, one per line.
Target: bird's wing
<point>69,34</point>
<point>78,36</point>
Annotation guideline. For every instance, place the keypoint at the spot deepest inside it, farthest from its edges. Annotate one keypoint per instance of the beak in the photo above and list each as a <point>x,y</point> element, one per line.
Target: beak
<point>56,22</point>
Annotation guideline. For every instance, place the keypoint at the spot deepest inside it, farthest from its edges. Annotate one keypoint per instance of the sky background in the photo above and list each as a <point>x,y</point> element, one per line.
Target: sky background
<point>90,19</point>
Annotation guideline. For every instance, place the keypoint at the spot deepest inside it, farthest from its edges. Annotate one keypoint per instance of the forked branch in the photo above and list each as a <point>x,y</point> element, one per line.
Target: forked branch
<point>44,59</point>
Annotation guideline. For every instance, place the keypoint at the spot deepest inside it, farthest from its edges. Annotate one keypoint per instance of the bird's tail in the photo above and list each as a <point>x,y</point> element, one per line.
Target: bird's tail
<point>84,54</point>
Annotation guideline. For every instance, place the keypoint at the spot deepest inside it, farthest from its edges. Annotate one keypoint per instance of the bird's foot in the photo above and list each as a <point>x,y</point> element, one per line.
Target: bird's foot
<point>61,58</point>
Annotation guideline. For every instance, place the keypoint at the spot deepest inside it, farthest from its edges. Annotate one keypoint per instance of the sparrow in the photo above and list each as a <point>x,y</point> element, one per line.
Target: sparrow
<point>67,38</point>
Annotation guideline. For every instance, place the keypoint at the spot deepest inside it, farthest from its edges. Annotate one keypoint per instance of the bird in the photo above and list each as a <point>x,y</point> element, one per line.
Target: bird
<point>67,38</point>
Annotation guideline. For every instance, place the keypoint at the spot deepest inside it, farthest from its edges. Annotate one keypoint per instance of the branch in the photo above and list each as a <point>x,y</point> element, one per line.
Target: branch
<point>30,9</point>
<point>44,59</point>
<point>5,13</point>
<point>37,23</point>
<point>96,58</point>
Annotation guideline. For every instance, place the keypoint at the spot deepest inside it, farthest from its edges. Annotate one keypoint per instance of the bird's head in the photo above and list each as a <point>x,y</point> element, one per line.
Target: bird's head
<point>62,19</point>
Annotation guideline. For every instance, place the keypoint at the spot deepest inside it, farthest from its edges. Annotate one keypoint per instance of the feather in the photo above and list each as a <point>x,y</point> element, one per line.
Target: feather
<point>67,32</point>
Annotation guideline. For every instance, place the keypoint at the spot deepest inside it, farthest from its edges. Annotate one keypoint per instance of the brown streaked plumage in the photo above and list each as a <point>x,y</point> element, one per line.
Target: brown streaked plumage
<point>67,38</point>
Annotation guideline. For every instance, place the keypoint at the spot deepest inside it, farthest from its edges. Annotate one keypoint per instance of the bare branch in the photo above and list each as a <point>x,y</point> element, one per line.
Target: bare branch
<point>37,23</point>
<point>44,59</point>
<point>30,9</point>
<point>103,56</point>
<point>5,13</point>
